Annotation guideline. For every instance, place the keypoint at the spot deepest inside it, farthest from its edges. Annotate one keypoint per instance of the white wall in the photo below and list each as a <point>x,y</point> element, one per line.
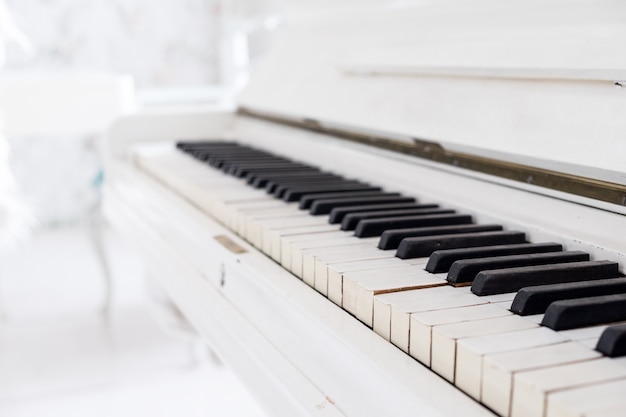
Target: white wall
<point>160,43</point>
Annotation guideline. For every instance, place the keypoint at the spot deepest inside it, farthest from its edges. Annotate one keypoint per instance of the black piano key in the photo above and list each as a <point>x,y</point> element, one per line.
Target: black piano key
<point>246,157</point>
<point>204,147</point>
<point>581,312</point>
<point>351,221</point>
<point>279,187</point>
<point>325,206</point>
<point>225,164</point>
<point>465,270</point>
<point>295,193</point>
<point>376,227</point>
<point>337,214</point>
<point>273,184</point>
<point>442,260</point>
<point>217,158</point>
<point>265,162</point>
<point>243,171</point>
<point>612,341</point>
<point>419,247</point>
<point>390,239</point>
<point>242,157</point>
<point>261,180</point>
<point>307,201</point>
<point>189,146</point>
<point>535,300</point>
<point>500,281</point>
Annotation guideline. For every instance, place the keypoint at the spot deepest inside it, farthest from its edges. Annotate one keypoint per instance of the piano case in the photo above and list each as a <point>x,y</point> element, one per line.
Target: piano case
<point>509,112</point>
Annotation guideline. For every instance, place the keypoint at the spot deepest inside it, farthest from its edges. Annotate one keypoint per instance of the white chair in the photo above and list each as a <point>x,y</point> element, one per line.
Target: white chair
<point>76,105</point>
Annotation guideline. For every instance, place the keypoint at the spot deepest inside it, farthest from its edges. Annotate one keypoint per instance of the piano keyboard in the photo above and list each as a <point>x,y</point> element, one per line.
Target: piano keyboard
<point>494,314</point>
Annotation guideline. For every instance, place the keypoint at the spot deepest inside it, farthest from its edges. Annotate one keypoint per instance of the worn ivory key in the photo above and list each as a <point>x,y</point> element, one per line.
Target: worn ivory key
<point>401,313</point>
<point>250,214</point>
<point>445,337</point>
<point>221,203</point>
<point>498,369</point>
<point>334,272</point>
<point>531,388</point>
<point>422,324</point>
<point>257,230</point>
<point>239,213</point>
<point>298,247</point>
<point>352,279</point>
<point>292,246</point>
<point>471,351</point>
<point>276,236</point>
<point>586,401</point>
<point>323,261</point>
<point>364,291</point>
<point>336,282</point>
<point>310,256</point>
<point>383,303</point>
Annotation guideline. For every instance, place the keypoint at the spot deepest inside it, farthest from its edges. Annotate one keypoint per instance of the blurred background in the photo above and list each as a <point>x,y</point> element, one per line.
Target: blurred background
<point>82,330</point>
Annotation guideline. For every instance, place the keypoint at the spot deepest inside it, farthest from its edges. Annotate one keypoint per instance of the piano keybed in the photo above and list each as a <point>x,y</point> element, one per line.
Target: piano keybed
<point>391,261</point>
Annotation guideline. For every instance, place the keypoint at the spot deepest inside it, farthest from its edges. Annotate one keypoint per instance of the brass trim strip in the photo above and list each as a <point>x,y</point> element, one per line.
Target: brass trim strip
<point>572,184</point>
<point>229,244</point>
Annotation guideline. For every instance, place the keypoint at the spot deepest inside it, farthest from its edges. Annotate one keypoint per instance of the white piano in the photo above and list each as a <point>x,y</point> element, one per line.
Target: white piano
<point>509,112</point>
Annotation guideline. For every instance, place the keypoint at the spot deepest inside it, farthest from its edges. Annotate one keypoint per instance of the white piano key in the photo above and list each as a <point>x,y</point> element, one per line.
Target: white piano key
<point>531,388</point>
<point>535,318</point>
<point>309,256</point>
<point>383,303</point>
<point>590,343</point>
<point>224,200</point>
<point>221,209</point>
<point>295,244</point>
<point>247,217</point>
<point>591,332</point>
<point>366,290</point>
<point>350,279</point>
<point>580,402</point>
<point>471,351</point>
<point>335,287</point>
<point>360,253</point>
<point>257,229</point>
<point>609,411</point>
<point>499,369</point>
<point>423,323</point>
<point>269,233</point>
<point>334,272</point>
<point>239,213</point>
<point>272,237</point>
<point>445,338</point>
<point>498,298</point>
<point>298,247</point>
<point>401,313</point>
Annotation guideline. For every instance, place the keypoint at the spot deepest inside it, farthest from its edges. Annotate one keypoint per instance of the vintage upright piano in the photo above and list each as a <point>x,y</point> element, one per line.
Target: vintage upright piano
<point>415,210</point>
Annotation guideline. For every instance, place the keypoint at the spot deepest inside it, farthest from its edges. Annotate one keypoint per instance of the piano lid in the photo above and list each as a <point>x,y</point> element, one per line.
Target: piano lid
<point>533,91</point>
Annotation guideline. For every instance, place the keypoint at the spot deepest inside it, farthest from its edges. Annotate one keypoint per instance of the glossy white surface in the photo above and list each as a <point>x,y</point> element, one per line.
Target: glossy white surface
<point>538,111</point>
<point>59,358</point>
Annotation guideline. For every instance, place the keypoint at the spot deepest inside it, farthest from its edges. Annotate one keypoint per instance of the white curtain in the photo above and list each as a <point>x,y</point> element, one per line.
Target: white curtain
<point>13,214</point>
